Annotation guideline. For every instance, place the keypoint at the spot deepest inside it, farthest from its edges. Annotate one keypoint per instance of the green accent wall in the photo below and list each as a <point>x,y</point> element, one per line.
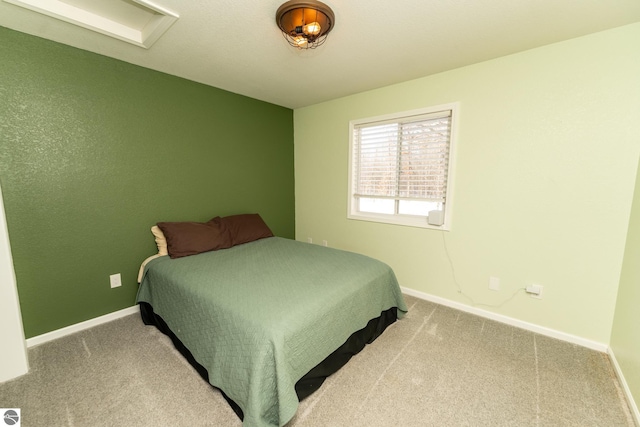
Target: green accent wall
<point>625,334</point>
<point>94,151</point>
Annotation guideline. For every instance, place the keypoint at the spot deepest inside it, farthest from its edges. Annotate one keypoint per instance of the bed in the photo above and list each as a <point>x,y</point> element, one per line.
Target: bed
<point>267,320</point>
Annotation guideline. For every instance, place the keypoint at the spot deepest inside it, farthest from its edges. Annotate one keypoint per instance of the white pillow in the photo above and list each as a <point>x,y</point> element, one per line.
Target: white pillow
<point>161,241</point>
<point>144,263</point>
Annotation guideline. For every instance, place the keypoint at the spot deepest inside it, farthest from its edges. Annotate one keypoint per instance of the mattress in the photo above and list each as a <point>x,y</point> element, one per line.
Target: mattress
<point>261,315</point>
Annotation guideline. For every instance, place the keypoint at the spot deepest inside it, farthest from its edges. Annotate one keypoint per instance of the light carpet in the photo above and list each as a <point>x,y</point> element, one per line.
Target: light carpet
<point>436,367</point>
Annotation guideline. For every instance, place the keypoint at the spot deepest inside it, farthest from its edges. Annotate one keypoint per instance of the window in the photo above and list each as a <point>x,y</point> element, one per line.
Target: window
<point>400,167</point>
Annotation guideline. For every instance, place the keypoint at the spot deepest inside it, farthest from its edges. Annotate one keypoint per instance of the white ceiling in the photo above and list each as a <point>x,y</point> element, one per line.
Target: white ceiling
<point>235,44</point>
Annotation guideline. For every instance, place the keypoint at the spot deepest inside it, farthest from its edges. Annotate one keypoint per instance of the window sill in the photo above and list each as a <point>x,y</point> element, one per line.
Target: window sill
<point>403,220</point>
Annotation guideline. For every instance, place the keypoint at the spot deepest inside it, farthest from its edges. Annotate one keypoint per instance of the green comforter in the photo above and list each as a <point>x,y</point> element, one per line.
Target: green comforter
<point>259,316</point>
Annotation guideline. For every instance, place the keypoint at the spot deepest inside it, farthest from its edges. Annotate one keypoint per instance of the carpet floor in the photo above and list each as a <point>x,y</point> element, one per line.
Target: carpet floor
<point>435,367</point>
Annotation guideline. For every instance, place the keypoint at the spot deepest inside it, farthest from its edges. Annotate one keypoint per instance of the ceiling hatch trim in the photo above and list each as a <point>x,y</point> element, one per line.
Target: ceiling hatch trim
<point>139,22</point>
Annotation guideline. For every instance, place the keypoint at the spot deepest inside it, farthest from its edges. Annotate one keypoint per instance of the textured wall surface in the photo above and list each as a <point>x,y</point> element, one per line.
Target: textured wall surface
<point>94,151</point>
<point>547,154</point>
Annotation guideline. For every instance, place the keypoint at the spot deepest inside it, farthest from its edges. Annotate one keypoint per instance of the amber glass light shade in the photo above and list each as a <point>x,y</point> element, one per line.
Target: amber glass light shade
<point>305,24</point>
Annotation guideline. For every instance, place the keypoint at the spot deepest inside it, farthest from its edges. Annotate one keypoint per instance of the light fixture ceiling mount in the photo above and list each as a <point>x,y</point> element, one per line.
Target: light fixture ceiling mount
<point>305,24</point>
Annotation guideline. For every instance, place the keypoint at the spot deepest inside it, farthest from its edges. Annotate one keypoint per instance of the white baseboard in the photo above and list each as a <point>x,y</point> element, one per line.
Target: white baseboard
<point>625,387</point>
<point>601,347</point>
<point>50,336</point>
<point>59,333</point>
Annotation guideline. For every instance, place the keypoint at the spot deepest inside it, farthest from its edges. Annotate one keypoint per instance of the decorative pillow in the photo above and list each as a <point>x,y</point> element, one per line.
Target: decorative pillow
<point>161,241</point>
<point>191,238</point>
<point>244,228</point>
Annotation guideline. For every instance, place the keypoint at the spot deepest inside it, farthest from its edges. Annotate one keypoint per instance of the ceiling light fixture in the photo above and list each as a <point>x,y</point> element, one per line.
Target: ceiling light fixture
<point>305,24</point>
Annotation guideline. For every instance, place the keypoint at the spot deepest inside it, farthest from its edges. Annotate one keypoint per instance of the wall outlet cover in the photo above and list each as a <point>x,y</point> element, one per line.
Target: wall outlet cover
<point>115,280</point>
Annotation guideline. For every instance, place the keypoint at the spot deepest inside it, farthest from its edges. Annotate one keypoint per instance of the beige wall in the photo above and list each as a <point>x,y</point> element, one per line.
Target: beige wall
<point>547,153</point>
<point>625,336</point>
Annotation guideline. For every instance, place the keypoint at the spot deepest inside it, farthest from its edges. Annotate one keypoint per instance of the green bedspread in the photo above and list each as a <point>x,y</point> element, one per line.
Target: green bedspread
<point>259,316</point>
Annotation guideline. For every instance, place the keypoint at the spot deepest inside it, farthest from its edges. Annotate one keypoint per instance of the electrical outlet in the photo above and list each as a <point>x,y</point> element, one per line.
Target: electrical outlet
<point>324,243</point>
<point>494,283</point>
<point>309,240</point>
<point>115,280</point>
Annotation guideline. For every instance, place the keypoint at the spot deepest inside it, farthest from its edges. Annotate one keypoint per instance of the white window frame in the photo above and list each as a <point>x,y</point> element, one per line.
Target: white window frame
<point>400,219</point>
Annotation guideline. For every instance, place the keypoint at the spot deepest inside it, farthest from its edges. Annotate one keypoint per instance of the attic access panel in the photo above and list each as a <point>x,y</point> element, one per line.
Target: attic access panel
<point>138,22</point>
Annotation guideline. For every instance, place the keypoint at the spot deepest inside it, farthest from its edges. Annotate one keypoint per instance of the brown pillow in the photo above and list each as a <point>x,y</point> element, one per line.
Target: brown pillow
<point>190,238</point>
<point>244,228</point>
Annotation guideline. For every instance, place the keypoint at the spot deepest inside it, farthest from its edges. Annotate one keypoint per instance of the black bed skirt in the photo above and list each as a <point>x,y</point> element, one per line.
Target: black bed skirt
<point>315,377</point>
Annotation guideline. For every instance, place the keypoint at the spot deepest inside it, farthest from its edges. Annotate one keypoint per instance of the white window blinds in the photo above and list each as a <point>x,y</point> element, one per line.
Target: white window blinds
<point>403,159</point>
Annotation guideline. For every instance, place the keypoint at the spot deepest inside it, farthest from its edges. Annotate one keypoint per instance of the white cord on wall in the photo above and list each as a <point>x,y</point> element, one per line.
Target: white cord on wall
<point>461,292</point>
